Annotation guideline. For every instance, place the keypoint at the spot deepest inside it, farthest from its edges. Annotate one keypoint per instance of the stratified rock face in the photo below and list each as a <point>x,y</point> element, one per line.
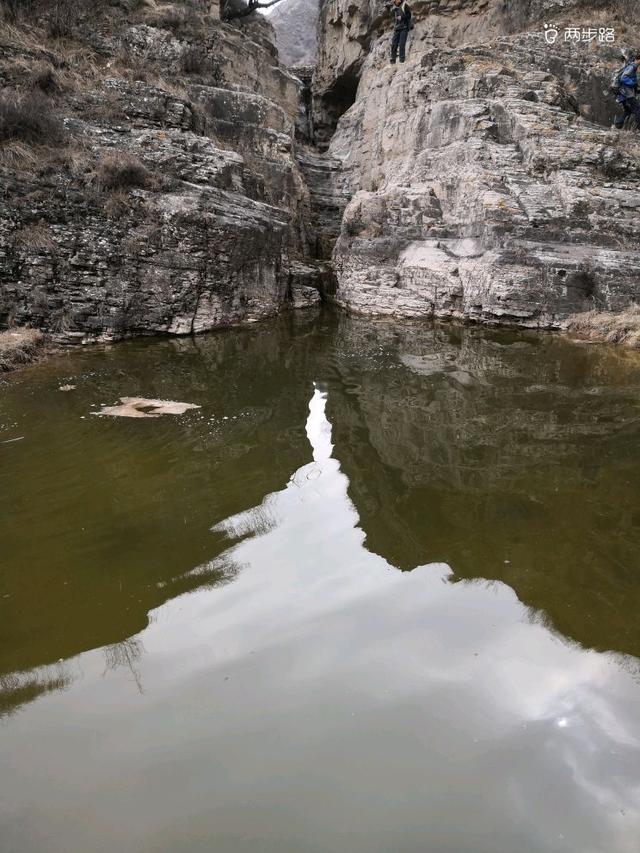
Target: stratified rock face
<point>295,23</point>
<point>480,190</point>
<point>211,234</point>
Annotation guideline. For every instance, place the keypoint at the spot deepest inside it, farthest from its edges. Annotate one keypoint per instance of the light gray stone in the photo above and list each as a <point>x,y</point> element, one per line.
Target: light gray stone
<point>479,187</point>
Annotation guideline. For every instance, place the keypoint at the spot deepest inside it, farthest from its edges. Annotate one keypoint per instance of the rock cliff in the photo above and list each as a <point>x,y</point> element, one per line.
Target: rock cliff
<point>147,176</point>
<point>485,179</point>
<point>162,171</point>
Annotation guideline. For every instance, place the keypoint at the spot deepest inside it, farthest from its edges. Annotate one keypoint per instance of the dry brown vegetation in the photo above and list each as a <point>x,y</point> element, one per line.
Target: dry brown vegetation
<point>622,328</point>
<point>20,346</point>
<point>62,18</point>
<point>44,78</point>
<point>36,237</point>
<point>194,60</point>
<point>121,171</point>
<point>29,117</point>
<point>178,18</point>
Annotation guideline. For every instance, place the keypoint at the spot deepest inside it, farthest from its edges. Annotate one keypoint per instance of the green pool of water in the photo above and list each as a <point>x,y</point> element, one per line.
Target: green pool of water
<point>379,592</point>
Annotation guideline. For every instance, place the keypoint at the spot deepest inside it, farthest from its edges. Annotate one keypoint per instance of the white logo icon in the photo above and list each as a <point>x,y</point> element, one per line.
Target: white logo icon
<point>550,33</point>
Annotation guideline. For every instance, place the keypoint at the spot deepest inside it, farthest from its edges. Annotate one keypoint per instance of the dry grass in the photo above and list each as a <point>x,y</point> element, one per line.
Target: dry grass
<point>62,18</point>
<point>195,60</point>
<point>143,67</point>
<point>166,17</point>
<point>29,117</point>
<point>117,204</point>
<point>622,329</point>
<point>19,347</point>
<point>18,156</point>
<point>121,171</point>
<point>26,36</point>
<point>36,238</point>
<point>43,78</point>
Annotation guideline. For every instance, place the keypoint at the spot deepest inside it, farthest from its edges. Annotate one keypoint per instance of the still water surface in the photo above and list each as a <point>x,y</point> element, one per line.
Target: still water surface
<point>380,592</point>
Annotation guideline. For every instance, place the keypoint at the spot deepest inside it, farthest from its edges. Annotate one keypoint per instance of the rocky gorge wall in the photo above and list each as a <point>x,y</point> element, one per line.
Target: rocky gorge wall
<point>148,181</point>
<point>162,171</point>
<point>485,180</point>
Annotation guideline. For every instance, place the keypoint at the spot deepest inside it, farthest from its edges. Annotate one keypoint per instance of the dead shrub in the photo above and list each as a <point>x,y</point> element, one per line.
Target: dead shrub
<point>18,156</point>
<point>14,9</point>
<point>44,79</point>
<point>121,172</point>
<point>30,117</point>
<point>187,17</point>
<point>117,204</point>
<point>167,18</point>
<point>19,346</point>
<point>622,328</point>
<point>62,18</point>
<point>36,237</point>
<point>194,60</point>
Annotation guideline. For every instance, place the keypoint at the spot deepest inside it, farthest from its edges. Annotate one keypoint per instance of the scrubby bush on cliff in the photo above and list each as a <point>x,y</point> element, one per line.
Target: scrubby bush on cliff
<point>196,60</point>
<point>176,17</point>
<point>167,18</point>
<point>62,18</point>
<point>29,117</point>
<point>58,16</point>
<point>12,9</point>
<point>121,172</point>
<point>43,78</point>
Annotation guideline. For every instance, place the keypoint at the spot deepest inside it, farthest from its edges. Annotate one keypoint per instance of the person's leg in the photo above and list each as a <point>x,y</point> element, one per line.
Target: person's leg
<point>403,43</point>
<point>619,120</point>
<point>394,46</point>
<point>634,110</point>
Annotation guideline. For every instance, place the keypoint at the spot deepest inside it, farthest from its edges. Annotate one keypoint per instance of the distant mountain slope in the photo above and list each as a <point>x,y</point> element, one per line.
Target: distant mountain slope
<point>295,25</point>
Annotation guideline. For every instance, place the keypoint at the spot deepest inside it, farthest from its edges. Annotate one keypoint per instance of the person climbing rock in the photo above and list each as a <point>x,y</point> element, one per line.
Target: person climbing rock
<point>402,18</point>
<point>627,91</point>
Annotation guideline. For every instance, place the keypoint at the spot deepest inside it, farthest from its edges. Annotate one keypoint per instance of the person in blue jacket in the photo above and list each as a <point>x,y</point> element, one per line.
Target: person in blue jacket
<point>627,95</point>
<point>402,24</point>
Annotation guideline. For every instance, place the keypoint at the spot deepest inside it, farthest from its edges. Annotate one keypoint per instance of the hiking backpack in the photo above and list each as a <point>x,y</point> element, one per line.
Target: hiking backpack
<point>616,80</point>
<point>614,88</point>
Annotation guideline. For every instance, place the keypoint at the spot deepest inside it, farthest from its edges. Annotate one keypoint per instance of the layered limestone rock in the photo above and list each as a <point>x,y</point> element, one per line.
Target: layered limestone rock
<point>172,202</point>
<point>486,181</point>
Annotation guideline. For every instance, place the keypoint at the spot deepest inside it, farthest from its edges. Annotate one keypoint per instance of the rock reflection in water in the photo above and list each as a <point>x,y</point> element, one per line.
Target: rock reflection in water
<point>526,472</point>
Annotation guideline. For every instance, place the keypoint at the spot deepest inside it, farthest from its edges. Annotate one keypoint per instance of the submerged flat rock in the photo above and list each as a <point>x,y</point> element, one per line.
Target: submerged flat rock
<point>141,407</point>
